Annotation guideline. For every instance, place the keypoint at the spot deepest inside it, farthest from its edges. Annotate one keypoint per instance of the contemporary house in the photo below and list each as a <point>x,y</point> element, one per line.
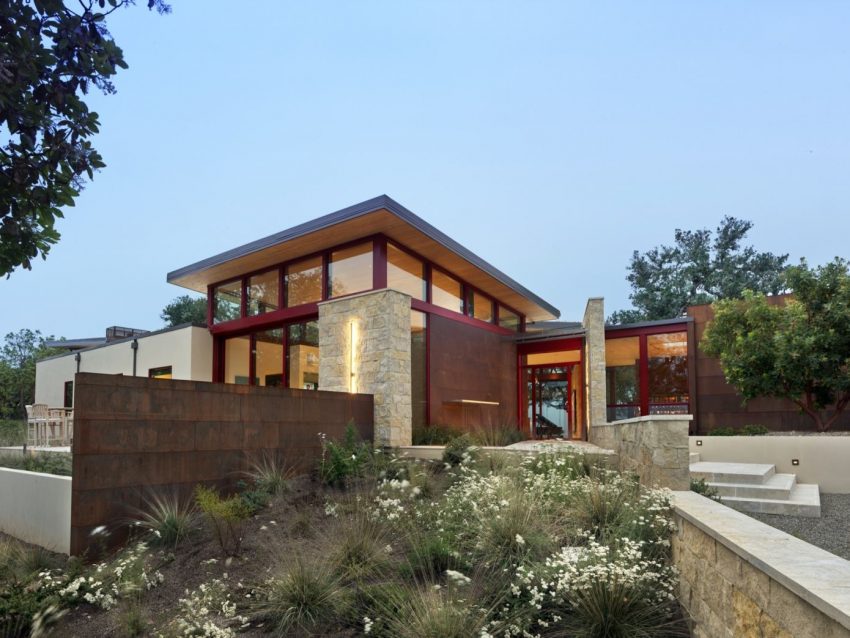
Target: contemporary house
<point>373,299</point>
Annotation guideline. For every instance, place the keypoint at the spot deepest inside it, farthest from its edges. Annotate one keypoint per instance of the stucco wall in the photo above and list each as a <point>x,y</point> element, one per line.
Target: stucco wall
<point>739,577</point>
<point>823,459</point>
<point>36,508</point>
<point>187,350</point>
<point>653,447</point>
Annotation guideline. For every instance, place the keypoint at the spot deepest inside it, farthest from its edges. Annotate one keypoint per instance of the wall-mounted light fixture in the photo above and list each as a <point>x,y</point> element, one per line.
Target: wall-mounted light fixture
<point>795,461</point>
<point>699,442</point>
<point>352,381</point>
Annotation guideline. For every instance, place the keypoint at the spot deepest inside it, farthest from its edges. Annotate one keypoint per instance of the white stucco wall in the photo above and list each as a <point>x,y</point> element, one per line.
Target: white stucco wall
<point>187,350</point>
<point>36,508</point>
<point>822,459</point>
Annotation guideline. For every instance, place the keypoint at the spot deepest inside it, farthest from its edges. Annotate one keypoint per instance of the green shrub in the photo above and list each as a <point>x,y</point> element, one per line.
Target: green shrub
<point>12,432</point>
<point>430,612</point>
<point>301,598</point>
<point>458,450</point>
<point>359,546</point>
<point>434,434</point>
<point>747,430</point>
<point>428,557</point>
<point>168,519</point>
<point>58,463</point>
<point>701,487</point>
<point>270,473</point>
<point>341,461</point>
<point>254,497</point>
<point>226,517</point>
<point>753,430</point>
<point>496,436</point>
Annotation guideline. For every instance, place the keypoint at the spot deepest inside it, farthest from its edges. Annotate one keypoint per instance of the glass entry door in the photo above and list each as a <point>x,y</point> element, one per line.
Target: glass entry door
<point>548,401</point>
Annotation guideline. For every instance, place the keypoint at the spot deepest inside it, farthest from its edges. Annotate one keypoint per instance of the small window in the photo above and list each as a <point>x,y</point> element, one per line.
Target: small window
<point>508,319</point>
<point>160,373</point>
<point>227,300</point>
<point>479,306</point>
<point>263,292</point>
<point>69,394</point>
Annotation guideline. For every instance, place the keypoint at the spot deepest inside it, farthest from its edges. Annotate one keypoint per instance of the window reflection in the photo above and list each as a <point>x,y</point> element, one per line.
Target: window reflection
<point>227,301</point>
<point>303,281</point>
<point>263,293</point>
<point>268,357</point>
<point>302,355</point>
<point>668,373</point>
<point>622,373</point>
<point>418,372</point>
<point>236,353</point>
<point>480,306</point>
<point>405,273</point>
<point>350,270</point>
<point>508,319</point>
<point>446,291</point>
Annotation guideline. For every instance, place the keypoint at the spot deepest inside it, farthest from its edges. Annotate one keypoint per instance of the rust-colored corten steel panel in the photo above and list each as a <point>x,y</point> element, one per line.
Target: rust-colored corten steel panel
<point>135,436</point>
<point>469,363</point>
<point>719,405</point>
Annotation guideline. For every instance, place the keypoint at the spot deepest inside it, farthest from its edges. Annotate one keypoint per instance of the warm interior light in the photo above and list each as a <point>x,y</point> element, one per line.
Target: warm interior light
<point>352,381</point>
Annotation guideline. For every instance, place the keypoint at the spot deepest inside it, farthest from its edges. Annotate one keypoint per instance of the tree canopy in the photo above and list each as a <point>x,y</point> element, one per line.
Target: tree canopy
<point>185,309</point>
<point>700,267</point>
<point>799,350</point>
<point>51,55</point>
<point>18,355</point>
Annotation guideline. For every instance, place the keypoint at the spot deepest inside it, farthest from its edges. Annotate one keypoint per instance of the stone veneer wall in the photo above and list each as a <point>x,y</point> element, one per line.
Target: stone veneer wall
<point>381,360</point>
<point>594,361</point>
<point>742,578</point>
<point>653,447</point>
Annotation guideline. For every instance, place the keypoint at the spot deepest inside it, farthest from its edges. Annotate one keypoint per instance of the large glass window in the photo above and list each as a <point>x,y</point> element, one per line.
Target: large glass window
<point>268,357</point>
<point>668,373</point>
<point>160,373</point>
<point>263,293</point>
<point>508,319</point>
<point>304,282</point>
<point>622,374</point>
<point>405,273</point>
<point>227,301</point>
<point>446,291</point>
<point>236,360</point>
<point>418,367</point>
<point>350,270</point>
<point>302,355</point>
<point>480,306</point>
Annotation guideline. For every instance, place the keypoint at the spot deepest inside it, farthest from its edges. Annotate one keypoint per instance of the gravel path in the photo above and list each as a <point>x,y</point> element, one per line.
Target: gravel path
<point>830,532</point>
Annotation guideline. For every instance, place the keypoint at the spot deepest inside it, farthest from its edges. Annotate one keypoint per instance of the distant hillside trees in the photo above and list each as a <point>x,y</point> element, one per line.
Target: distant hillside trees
<point>700,267</point>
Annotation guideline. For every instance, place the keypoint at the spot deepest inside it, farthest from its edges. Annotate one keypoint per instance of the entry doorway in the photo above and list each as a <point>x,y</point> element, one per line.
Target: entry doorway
<point>549,401</point>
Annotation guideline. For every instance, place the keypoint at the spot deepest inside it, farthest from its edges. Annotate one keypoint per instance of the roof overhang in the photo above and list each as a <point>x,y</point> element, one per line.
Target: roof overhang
<point>381,215</point>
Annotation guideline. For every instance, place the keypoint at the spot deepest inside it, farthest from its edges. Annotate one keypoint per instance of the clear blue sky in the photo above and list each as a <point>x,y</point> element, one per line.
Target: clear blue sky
<point>551,138</point>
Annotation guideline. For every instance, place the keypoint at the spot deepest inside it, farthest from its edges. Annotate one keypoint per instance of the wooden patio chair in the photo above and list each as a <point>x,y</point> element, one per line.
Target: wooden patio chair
<point>39,418</point>
<point>55,425</point>
<point>32,429</point>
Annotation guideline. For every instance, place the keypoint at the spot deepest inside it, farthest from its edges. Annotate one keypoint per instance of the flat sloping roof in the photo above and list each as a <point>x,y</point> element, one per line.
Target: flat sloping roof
<point>378,215</point>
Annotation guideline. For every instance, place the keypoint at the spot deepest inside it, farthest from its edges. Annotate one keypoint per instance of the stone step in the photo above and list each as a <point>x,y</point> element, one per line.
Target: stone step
<point>803,501</point>
<point>694,457</point>
<point>777,487</point>
<point>732,472</point>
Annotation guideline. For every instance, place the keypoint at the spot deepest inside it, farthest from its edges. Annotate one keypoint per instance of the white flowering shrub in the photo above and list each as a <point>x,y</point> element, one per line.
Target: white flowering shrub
<point>209,611</point>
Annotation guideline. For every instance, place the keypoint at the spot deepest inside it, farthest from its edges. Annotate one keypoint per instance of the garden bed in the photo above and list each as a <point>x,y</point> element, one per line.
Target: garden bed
<point>381,546</point>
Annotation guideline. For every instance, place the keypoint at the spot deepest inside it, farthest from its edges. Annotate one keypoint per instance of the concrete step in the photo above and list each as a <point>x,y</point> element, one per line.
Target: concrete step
<point>803,501</point>
<point>777,487</point>
<point>694,458</point>
<point>712,472</point>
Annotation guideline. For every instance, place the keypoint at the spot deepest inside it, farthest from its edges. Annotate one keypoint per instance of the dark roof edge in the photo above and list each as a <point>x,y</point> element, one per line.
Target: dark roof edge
<point>649,324</point>
<point>153,333</point>
<point>352,212</point>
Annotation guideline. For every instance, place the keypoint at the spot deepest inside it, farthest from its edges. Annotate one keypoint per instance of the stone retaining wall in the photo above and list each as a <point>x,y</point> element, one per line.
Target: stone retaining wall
<point>742,578</point>
<point>653,447</point>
